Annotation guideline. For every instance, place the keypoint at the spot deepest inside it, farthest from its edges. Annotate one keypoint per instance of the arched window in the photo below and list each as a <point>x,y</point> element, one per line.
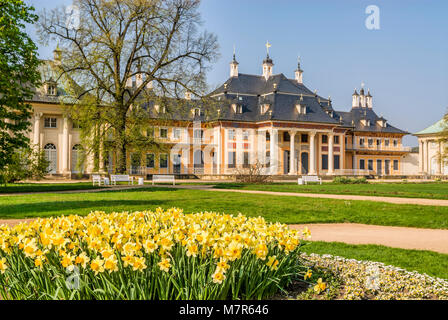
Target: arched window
<point>77,164</point>
<point>51,156</point>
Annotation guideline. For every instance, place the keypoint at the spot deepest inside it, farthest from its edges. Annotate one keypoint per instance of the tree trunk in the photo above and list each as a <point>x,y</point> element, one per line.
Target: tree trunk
<point>121,146</point>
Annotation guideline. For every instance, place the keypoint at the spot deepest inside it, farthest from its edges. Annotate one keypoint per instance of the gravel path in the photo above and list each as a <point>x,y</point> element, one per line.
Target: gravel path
<point>398,237</point>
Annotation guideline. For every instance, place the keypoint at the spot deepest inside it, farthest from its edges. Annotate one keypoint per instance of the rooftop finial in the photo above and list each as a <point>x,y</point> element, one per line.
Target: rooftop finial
<point>268,45</point>
<point>234,52</point>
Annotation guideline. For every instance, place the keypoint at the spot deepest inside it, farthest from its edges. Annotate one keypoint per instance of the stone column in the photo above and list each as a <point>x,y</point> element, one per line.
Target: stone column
<point>428,164</point>
<point>420,158</point>
<point>330,154</point>
<point>273,145</point>
<point>312,170</point>
<point>65,147</point>
<point>292,153</point>
<point>261,149</point>
<point>36,133</point>
<point>439,166</point>
<point>219,151</point>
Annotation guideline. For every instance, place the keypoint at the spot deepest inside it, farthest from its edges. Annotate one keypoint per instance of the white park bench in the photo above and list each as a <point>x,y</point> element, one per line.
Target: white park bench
<point>306,179</point>
<point>163,178</point>
<point>114,178</point>
<point>96,178</point>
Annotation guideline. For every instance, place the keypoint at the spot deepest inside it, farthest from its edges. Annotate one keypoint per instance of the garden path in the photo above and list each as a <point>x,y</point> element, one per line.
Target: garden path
<point>398,237</point>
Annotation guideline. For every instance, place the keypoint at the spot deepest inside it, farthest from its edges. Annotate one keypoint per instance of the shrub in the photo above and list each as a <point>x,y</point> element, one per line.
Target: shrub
<point>346,180</point>
<point>147,255</point>
<point>252,174</point>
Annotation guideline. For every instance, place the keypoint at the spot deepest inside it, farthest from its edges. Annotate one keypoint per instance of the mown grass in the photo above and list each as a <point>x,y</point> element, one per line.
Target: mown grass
<point>46,187</point>
<point>283,209</point>
<point>432,263</point>
<point>432,190</point>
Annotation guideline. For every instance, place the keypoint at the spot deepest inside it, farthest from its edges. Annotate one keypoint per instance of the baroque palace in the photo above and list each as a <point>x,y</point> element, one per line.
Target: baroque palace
<point>268,119</point>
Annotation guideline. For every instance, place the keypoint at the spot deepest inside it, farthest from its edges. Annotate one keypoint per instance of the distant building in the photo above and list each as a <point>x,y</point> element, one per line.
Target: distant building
<point>267,118</point>
<point>431,149</point>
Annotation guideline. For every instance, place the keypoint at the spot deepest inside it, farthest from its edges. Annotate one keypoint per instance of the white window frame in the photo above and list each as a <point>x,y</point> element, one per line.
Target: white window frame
<point>160,133</point>
<point>50,122</point>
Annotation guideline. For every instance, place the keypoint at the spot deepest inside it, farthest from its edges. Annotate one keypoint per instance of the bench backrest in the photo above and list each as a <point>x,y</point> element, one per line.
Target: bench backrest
<point>163,177</point>
<point>96,177</point>
<point>120,177</point>
<point>310,178</point>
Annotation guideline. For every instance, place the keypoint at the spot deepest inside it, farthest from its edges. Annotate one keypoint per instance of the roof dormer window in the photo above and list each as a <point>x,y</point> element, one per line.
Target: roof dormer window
<point>365,122</point>
<point>264,108</point>
<point>382,123</point>
<point>237,108</point>
<point>51,88</point>
<point>300,108</point>
<point>196,112</point>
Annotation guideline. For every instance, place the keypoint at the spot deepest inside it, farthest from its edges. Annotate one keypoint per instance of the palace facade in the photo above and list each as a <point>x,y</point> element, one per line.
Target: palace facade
<point>268,119</point>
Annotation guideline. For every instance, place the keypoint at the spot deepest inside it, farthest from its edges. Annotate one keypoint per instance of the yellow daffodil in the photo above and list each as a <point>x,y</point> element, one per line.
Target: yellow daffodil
<point>218,277</point>
<point>308,274</point>
<point>164,265</point>
<point>272,262</point>
<point>320,286</point>
<point>3,265</point>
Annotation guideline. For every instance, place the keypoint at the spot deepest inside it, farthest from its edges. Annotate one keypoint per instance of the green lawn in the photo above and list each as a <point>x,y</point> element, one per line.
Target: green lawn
<point>431,190</point>
<point>44,187</point>
<point>432,263</point>
<point>283,209</point>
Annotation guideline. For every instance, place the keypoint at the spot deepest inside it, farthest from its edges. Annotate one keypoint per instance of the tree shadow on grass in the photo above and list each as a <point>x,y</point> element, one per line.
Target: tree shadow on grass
<point>18,211</point>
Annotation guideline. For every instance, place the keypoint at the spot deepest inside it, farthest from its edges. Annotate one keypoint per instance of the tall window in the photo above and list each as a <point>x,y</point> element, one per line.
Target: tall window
<point>231,163</point>
<point>163,133</point>
<point>324,138</point>
<point>176,133</point>
<point>370,142</point>
<point>163,160</point>
<point>395,165</point>
<point>268,136</point>
<point>336,162</point>
<point>386,142</point>
<point>362,164</point>
<point>370,165</point>
<point>395,143</point>
<point>231,134</point>
<point>325,162</point>
<point>336,139</point>
<point>50,122</point>
<point>245,159</point>
<point>304,138</point>
<point>361,142</point>
<point>150,160</point>
<point>245,135</point>
<point>286,137</point>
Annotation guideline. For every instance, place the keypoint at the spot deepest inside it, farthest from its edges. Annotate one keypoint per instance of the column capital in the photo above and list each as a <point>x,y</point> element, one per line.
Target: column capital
<point>312,133</point>
<point>292,132</point>
<point>38,115</point>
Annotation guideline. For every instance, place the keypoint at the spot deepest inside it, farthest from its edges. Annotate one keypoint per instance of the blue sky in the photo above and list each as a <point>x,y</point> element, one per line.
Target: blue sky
<point>404,63</point>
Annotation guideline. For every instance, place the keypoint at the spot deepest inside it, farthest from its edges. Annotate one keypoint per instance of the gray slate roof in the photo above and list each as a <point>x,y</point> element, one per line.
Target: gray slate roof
<point>357,114</point>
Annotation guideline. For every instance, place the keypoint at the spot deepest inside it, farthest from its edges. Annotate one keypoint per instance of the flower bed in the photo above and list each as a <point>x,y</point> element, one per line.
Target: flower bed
<point>375,280</point>
<point>147,255</point>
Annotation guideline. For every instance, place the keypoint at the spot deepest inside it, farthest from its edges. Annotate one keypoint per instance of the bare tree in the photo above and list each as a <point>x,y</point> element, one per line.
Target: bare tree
<point>155,42</point>
<point>252,173</point>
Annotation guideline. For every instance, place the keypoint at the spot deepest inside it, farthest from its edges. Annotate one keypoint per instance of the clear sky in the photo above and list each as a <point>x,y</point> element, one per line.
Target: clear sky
<point>404,63</point>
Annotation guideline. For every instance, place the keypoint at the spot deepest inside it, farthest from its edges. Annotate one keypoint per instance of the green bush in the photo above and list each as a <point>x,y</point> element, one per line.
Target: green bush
<point>347,180</point>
